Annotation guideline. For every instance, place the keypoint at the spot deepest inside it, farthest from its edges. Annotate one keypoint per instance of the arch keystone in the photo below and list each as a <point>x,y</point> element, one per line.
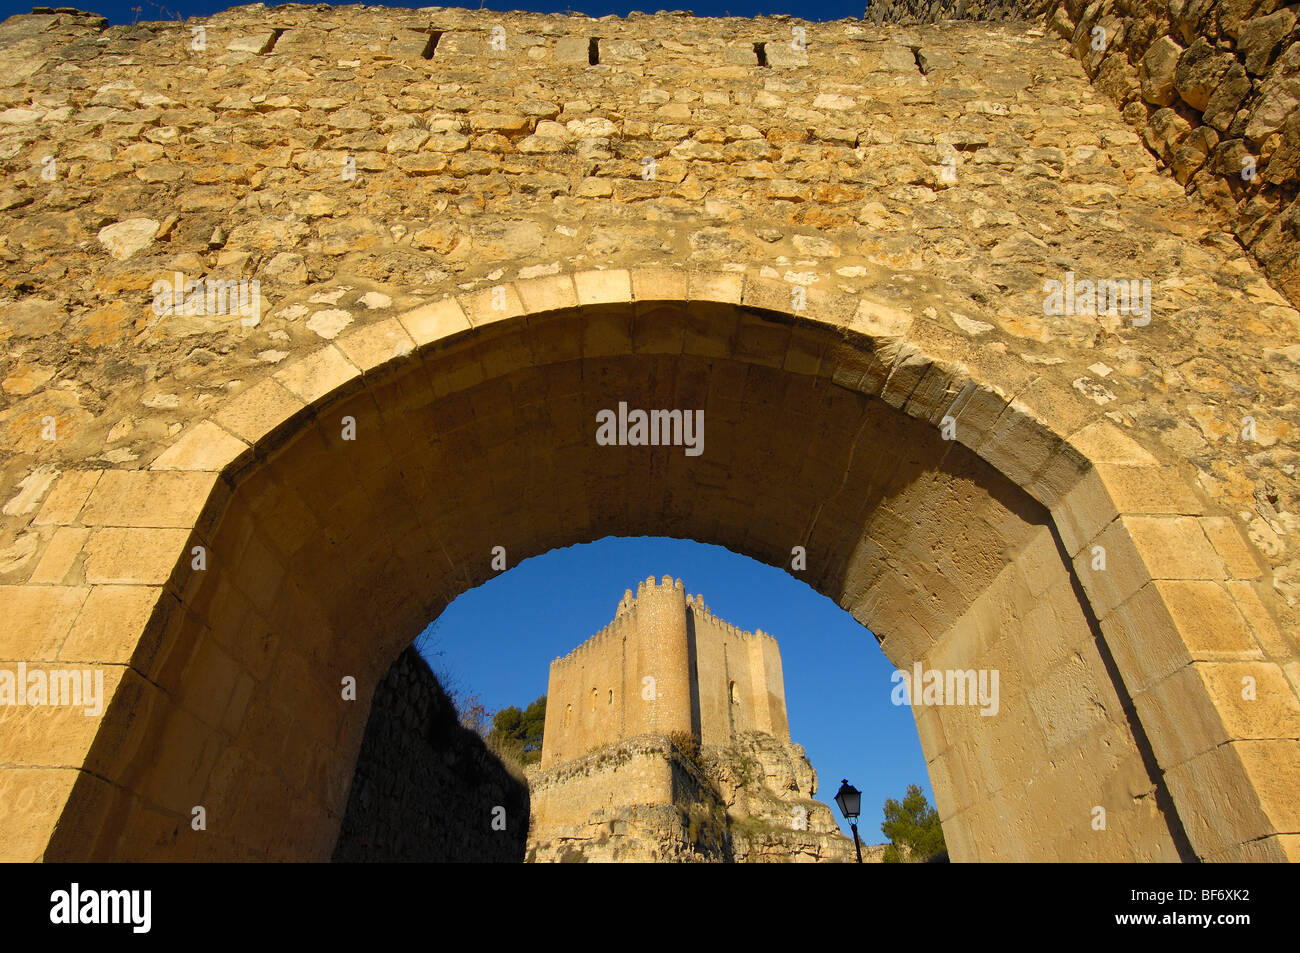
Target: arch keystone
<point>496,303</point>
<point>659,284</point>
<point>716,287</point>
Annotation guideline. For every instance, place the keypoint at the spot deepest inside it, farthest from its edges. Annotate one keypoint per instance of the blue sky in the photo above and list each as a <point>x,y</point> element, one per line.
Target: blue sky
<point>123,11</point>
<point>498,641</point>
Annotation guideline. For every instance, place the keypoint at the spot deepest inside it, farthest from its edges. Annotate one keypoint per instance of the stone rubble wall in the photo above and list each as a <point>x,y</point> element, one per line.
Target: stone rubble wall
<point>643,799</point>
<point>1214,88</point>
<point>823,169</point>
<point>935,11</point>
<point>425,787</point>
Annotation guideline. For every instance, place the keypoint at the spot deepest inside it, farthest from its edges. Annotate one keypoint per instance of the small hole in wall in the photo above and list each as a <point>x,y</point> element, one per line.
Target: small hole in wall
<point>760,52</point>
<point>432,45</point>
<point>593,51</point>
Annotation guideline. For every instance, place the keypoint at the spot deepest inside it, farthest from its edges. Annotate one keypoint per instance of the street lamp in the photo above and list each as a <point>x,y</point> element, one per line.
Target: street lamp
<point>849,799</point>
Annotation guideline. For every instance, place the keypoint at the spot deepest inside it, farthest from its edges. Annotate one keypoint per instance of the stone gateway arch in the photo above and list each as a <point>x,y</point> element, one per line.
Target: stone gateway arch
<point>310,311</point>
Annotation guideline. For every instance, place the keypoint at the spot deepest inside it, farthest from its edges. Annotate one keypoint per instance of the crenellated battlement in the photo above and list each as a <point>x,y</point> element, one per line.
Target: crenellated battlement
<point>648,587</point>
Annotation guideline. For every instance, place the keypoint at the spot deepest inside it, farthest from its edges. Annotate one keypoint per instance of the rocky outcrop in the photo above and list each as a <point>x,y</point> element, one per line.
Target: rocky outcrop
<point>934,11</point>
<point>666,800</point>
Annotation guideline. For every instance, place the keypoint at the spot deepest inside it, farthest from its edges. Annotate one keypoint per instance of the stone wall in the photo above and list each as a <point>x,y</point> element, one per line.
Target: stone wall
<point>1214,88</point>
<point>934,11</point>
<point>841,247</point>
<point>425,788</point>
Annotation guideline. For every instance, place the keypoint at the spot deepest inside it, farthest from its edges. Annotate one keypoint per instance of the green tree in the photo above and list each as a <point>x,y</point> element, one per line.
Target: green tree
<point>520,732</point>
<point>912,827</point>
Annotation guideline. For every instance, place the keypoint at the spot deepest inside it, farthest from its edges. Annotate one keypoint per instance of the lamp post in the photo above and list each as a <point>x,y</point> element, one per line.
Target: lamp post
<point>849,799</point>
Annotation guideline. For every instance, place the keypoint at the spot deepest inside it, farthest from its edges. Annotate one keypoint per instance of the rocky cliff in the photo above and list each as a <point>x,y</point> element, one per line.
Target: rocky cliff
<point>750,802</point>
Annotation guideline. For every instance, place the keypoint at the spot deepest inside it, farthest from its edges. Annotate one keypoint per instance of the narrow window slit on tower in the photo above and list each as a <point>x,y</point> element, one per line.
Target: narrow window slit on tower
<point>434,37</point>
<point>760,51</point>
<point>593,51</point>
<point>270,44</point>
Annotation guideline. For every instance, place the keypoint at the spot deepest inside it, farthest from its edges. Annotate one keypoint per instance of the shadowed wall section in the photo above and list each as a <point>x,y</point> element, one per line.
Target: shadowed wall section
<point>425,789</point>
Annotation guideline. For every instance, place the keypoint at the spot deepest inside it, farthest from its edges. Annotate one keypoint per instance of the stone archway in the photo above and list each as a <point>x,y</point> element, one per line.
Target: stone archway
<point>474,428</point>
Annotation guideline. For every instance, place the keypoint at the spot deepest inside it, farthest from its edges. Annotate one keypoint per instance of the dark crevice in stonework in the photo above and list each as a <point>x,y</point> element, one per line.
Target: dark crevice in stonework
<point>593,51</point>
<point>760,51</point>
<point>432,45</point>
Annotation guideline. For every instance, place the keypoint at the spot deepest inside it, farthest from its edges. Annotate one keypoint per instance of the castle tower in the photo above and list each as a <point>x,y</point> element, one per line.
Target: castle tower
<point>664,664</point>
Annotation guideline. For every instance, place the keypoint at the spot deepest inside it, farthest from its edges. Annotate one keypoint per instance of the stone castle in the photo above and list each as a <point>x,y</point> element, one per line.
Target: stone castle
<point>665,664</point>
<point>667,739</point>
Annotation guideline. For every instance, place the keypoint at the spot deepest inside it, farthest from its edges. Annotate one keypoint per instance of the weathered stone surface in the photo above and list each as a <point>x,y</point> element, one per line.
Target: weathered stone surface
<point>839,225</point>
<point>424,786</point>
<point>1200,70</point>
<point>1156,72</point>
<point>1260,38</point>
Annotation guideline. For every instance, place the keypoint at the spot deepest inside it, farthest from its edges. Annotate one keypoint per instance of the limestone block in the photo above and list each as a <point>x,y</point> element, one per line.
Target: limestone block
<point>1236,793</point>
<point>434,321</point>
<point>321,373</point>
<point>133,556</point>
<point>549,293</point>
<point>715,286</point>
<point>1107,490</point>
<point>63,505</point>
<point>149,498</point>
<point>498,303</point>
<point>36,797</point>
<point>56,735</point>
<point>60,556</point>
<point>203,447</point>
<point>259,412</point>
<point>572,50</point>
<point>110,624</point>
<point>1156,71</point>
<point>37,619</point>
<point>374,345</point>
<point>603,287</point>
<point>659,284</point>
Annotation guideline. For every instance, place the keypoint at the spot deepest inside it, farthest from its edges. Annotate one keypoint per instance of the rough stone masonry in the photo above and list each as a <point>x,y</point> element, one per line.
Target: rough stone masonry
<point>306,311</point>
